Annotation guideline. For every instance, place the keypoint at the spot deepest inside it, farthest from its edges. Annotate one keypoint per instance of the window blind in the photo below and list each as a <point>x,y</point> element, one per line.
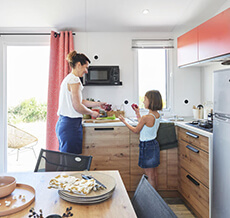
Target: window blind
<point>152,44</point>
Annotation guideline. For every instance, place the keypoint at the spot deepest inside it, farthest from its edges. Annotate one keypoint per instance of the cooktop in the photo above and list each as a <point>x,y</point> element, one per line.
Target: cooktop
<point>204,125</point>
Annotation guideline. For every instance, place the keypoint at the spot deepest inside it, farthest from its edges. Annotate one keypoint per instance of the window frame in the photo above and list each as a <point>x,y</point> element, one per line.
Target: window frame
<point>169,82</point>
<point>4,42</point>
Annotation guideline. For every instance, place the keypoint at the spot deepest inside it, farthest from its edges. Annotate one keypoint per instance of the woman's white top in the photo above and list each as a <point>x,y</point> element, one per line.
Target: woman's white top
<point>150,133</point>
<point>65,107</point>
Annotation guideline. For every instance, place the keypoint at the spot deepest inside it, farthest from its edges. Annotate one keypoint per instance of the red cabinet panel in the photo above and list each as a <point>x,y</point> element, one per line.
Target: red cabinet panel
<point>214,36</point>
<point>187,47</point>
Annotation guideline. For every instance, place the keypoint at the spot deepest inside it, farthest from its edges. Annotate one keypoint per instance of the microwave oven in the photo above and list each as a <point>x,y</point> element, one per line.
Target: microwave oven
<point>102,75</point>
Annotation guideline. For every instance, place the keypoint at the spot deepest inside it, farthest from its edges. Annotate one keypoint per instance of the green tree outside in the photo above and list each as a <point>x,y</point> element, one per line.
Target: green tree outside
<point>28,111</point>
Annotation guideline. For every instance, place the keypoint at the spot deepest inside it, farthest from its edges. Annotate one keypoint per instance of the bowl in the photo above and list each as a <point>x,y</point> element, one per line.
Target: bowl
<point>7,185</point>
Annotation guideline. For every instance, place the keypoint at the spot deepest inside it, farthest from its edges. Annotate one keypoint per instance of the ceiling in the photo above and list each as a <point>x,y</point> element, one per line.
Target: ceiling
<point>104,15</point>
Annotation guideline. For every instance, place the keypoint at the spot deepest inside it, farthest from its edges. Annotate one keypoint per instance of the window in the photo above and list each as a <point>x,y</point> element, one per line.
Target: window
<point>153,70</point>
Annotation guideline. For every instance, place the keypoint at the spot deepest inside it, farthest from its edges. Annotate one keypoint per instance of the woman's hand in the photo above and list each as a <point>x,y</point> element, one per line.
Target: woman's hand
<point>94,114</point>
<point>102,105</point>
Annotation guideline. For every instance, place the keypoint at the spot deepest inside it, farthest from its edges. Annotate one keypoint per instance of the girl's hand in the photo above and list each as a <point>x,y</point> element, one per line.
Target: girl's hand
<point>137,110</point>
<point>121,118</point>
<point>135,107</point>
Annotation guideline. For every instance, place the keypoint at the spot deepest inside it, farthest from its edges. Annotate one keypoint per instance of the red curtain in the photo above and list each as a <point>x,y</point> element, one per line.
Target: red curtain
<point>60,45</point>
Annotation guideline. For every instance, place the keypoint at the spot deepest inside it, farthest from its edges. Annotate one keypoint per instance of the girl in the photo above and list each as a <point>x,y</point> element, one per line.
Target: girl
<point>149,155</point>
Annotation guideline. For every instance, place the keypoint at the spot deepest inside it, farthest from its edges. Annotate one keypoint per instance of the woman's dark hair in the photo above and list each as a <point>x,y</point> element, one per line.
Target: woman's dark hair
<point>155,100</point>
<point>73,58</point>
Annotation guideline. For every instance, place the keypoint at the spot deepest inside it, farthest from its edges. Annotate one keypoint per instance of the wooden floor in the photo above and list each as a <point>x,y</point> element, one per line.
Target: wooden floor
<point>179,208</point>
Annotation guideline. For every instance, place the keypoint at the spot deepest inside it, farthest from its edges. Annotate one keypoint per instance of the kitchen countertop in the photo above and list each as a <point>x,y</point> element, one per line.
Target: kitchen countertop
<point>103,124</point>
<point>194,129</point>
<point>134,123</point>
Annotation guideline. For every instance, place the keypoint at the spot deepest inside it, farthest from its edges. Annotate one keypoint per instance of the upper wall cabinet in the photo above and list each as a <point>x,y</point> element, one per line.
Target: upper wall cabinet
<point>187,47</point>
<point>209,40</point>
<point>214,36</point>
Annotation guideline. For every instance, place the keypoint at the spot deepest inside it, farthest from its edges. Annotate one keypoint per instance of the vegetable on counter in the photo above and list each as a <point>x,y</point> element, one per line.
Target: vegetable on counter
<point>107,118</point>
<point>108,107</point>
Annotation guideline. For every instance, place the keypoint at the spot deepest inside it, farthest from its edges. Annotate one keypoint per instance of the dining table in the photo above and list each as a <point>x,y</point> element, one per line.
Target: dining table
<point>49,201</point>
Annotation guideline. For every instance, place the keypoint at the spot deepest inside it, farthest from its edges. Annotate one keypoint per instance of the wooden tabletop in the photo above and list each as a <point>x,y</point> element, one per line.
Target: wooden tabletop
<point>119,205</point>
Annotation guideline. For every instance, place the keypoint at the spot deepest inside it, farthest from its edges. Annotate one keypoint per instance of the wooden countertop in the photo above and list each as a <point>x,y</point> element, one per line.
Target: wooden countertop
<point>119,205</point>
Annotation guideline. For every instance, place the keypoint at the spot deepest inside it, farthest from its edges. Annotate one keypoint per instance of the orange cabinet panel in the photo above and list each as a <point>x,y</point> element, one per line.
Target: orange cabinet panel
<point>214,36</point>
<point>187,48</point>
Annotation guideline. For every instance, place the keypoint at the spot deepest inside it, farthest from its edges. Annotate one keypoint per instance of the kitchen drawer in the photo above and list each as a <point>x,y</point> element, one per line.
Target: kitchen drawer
<point>193,138</point>
<point>195,161</point>
<point>194,192</point>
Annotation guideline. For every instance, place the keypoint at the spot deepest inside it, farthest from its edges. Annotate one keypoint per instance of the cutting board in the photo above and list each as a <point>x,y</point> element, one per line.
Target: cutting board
<point>100,121</point>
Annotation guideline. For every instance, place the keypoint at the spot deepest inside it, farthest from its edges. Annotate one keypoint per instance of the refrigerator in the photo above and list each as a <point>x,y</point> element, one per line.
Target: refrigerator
<point>220,203</point>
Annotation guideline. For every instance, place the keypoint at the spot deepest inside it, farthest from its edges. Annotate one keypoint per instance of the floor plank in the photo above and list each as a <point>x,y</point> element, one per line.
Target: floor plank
<point>181,211</point>
<point>179,208</point>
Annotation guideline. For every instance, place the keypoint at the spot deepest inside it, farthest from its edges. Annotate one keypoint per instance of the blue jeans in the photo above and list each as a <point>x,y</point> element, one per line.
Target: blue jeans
<point>149,154</point>
<point>69,133</point>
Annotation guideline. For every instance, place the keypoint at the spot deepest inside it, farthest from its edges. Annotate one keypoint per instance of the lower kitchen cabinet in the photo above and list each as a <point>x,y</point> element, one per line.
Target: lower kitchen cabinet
<point>167,170</point>
<point>109,147</point>
<point>117,148</point>
<point>194,192</point>
<point>194,170</point>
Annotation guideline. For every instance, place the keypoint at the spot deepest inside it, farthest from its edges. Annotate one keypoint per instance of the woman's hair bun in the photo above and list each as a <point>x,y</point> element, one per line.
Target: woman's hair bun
<point>71,56</point>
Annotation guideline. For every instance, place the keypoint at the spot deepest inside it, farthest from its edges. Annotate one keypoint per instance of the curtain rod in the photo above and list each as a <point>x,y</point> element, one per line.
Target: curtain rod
<point>28,34</point>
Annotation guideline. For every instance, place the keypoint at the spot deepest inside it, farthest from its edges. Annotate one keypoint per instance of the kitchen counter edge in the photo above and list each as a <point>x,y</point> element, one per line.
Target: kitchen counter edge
<point>177,123</point>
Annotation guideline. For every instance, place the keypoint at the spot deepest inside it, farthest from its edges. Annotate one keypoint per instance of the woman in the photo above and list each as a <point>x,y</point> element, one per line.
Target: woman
<point>72,106</point>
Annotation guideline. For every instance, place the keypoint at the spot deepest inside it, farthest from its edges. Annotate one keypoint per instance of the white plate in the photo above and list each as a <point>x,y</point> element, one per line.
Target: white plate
<point>85,201</point>
<point>93,196</point>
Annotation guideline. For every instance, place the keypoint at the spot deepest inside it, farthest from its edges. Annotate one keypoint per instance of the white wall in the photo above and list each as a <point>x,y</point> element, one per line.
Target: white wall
<point>115,48</point>
<point>207,82</point>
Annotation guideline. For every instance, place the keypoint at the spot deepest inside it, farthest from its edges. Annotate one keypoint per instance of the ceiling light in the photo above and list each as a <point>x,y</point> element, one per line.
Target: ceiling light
<point>145,11</point>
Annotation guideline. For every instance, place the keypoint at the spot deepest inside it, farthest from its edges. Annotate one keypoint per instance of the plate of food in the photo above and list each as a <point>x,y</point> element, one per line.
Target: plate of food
<point>90,187</point>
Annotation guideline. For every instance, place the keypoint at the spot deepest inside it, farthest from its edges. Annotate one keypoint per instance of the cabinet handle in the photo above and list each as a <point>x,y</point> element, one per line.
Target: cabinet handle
<point>102,129</point>
<point>193,180</point>
<point>192,149</point>
<point>193,135</point>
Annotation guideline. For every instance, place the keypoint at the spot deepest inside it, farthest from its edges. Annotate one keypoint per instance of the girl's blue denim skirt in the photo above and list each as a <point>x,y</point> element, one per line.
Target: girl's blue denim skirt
<point>69,133</point>
<point>149,154</point>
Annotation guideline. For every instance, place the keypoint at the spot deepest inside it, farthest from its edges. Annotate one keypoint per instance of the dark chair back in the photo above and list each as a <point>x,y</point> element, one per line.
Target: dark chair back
<point>148,203</point>
<point>52,161</point>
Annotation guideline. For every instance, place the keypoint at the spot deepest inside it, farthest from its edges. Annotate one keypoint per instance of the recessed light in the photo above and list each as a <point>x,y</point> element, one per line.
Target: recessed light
<point>145,11</point>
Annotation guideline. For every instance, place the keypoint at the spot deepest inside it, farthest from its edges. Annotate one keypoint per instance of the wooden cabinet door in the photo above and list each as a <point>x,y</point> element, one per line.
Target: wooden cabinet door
<point>109,147</point>
<point>194,192</point>
<point>187,48</point>
<point>214,36</point>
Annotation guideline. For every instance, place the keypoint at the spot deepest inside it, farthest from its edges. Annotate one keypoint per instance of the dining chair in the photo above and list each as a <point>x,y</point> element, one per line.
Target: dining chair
<point>52,161</point>
<point>148,203</point>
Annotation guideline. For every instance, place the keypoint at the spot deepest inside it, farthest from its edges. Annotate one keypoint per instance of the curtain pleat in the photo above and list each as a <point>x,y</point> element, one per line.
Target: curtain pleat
<point>60,46</point>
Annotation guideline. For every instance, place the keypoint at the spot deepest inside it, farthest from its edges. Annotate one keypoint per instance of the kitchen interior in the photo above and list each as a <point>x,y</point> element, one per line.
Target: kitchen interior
<point>195,170</point>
